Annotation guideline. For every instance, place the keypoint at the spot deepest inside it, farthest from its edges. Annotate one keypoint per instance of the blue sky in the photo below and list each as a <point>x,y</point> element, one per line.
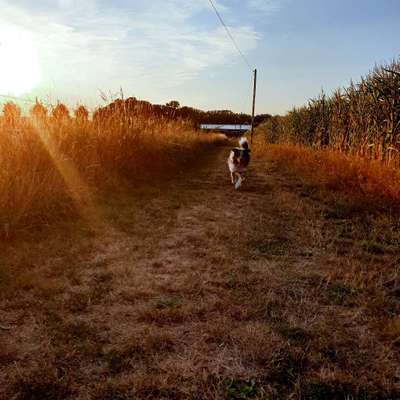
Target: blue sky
<point>174,49</point>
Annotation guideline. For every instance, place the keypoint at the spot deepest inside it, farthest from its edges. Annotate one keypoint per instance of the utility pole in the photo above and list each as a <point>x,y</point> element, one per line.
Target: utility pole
<point>254,104</point>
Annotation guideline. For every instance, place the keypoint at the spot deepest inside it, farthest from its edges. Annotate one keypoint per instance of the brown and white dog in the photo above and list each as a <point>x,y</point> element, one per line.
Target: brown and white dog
<point>238,161</point>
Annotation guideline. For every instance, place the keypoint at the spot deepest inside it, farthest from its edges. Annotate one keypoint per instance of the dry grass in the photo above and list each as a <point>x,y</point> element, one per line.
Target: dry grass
<point>363,184</point>
<point>52,167</point>
<point>190,290</point>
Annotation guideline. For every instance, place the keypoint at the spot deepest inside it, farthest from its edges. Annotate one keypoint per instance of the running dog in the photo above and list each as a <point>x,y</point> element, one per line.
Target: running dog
<point>238,161</point>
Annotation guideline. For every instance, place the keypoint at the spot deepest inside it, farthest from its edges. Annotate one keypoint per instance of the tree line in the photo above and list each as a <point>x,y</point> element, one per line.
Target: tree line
<point>173,111</point>
<point>130,108</point>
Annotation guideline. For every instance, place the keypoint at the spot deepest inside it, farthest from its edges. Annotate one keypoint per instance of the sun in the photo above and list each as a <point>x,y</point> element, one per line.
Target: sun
<point>19,61</point>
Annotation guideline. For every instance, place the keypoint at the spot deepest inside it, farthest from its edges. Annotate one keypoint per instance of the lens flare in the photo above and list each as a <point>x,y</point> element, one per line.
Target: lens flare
<point>19,61</point>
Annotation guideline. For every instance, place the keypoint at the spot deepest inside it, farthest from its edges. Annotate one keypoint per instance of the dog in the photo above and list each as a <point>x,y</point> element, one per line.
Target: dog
<point>238,161</point>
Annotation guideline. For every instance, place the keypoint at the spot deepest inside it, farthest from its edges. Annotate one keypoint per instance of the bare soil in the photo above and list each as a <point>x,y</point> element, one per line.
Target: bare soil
<point>183,288</point>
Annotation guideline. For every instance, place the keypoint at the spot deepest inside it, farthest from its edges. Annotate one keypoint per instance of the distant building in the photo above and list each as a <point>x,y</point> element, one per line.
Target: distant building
<point>229,130</point>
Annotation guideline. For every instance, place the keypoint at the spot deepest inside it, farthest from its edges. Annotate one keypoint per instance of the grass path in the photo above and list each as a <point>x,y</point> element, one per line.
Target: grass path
<point>187,289</point>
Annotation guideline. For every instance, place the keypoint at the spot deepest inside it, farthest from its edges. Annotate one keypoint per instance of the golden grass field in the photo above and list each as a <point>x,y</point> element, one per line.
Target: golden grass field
<point>131,269</point>
<point>52,166</point>
<point>368,185</point>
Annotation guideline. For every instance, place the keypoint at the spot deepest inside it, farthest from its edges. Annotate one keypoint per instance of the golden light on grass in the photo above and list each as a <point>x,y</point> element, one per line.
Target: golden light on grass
<point>76,186</point>
<point>366,184</point>
<point>55,166</point>
<point>19,61</point>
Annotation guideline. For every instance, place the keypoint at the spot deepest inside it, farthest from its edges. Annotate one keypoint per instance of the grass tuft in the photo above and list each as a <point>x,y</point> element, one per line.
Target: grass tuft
<point>340,294</point>
<point>295,334</point>
<point>238,389</point>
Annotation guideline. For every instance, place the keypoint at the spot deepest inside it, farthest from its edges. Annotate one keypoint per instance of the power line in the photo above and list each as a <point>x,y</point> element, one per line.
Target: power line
<point>230,34</point>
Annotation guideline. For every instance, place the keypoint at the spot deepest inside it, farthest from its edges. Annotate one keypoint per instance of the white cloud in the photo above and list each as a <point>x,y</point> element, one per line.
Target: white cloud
<point>139,45</point>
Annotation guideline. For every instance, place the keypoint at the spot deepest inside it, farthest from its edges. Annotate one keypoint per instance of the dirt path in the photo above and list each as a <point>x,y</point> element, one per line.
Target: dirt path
<point>188,289</point>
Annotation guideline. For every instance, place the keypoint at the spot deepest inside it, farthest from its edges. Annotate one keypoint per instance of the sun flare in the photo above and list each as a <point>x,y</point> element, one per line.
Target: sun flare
<point>19,61</point>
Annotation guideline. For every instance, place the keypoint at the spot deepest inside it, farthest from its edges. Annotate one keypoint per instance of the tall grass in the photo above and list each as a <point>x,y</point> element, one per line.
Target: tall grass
<point>347,143</point>
<point>51,163</point>
<point>365,185</point>
<point>362,119</point>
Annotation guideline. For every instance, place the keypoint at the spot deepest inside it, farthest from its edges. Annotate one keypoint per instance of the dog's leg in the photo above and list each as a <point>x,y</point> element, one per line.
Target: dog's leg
<point>232,178</point>
<point>239,181</point>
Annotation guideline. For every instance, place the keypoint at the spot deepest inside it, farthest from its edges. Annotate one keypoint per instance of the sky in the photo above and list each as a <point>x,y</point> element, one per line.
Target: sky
<point>161,50</point>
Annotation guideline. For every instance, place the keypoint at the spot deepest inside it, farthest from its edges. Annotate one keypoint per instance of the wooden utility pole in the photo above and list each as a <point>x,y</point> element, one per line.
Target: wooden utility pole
<point>254,104</point>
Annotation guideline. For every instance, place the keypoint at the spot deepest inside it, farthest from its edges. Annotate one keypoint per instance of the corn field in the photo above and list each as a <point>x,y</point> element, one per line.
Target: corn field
<point>362,119</point>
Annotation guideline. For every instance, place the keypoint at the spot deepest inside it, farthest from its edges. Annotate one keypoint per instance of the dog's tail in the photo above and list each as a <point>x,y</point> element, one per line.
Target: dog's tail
<point>243,143</point>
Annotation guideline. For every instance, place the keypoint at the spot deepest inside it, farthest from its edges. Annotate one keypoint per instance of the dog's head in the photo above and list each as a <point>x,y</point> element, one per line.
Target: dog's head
<point>243,143</point>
